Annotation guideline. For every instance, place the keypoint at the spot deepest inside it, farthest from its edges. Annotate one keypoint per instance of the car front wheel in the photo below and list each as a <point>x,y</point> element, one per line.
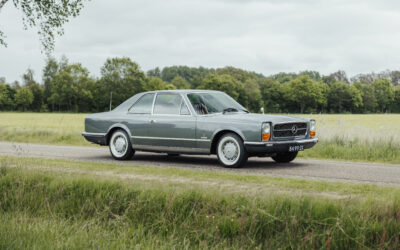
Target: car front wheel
<point>231,152</point>
<point>120,146</point>
<point>284,157</point>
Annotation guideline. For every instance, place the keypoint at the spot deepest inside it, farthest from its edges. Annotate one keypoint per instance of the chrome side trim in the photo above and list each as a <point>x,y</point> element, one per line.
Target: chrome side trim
<point>167,138</point>
<point>93,134</point>
<point>270,143</point>
<point>171,149</point>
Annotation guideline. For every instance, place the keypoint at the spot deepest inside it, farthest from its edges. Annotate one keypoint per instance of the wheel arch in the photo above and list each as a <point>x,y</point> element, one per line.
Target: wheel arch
<point>218,134</point>
<point>114,128</point>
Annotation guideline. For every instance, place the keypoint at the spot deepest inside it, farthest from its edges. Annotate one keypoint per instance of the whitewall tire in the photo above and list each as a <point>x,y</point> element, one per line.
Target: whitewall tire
<point>120,145</point>
<point>231,152</point>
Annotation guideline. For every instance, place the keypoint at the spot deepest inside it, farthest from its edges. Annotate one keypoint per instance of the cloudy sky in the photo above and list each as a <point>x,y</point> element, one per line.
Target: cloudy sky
<point>266,36</point>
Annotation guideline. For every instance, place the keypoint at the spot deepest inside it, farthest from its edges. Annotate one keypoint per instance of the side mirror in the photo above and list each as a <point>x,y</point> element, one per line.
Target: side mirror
<point>262,110</point>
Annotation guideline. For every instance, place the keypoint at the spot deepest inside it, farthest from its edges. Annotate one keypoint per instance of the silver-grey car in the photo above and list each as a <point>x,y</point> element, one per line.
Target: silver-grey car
<point>198,122</point>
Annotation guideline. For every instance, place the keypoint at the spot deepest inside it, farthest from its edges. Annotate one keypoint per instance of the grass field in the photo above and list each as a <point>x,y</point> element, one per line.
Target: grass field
<point>357,138</point>
<point>52,204</point>
<point>344,137</point>
<point>45,128</point>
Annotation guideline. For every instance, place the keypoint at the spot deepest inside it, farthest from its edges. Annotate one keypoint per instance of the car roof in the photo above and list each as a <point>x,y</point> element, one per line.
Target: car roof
<point>183,91</point>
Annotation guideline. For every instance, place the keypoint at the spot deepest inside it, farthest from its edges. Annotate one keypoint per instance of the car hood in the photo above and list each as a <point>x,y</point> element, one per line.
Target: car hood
<point>249,117</point>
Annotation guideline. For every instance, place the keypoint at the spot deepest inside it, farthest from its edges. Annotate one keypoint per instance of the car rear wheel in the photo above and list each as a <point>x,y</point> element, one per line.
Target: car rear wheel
<point>120,145</point>
<point>231,152</point>
<point>284,157</point>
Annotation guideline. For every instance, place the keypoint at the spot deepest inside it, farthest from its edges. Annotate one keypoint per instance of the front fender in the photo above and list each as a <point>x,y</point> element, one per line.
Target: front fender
<point>233,129</point>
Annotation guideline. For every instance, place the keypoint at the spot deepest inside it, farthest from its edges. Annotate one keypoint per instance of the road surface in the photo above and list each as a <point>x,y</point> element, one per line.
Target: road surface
<point>354,172</point>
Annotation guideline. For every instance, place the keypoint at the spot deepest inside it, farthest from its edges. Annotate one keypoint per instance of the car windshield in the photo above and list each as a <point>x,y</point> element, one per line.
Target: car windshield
<point>214,102</point>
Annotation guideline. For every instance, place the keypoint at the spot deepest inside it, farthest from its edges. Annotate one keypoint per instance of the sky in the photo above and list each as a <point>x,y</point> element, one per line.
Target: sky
<point>265,36</point>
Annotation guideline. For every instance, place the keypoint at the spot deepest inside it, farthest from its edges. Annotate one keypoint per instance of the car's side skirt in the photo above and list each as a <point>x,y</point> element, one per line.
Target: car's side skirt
<point>165,149</point>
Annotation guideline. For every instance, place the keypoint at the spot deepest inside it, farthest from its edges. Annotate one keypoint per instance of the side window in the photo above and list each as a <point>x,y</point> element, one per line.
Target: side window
<point>184,109</point>
<point>143,105</point>
<point>167,104</point>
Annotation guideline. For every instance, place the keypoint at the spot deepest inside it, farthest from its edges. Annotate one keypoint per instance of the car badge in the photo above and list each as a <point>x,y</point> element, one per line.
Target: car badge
<point>294,129</point>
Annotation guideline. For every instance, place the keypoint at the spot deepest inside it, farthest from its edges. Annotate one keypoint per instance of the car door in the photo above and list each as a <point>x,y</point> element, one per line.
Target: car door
<point>138,118</point>
<point>172,126</point>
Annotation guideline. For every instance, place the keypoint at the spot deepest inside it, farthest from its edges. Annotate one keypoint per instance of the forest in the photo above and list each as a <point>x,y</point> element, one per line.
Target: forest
<point>69,87</point>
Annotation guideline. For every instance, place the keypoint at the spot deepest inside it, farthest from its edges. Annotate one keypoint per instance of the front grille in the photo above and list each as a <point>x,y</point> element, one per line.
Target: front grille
<point>290,129</point>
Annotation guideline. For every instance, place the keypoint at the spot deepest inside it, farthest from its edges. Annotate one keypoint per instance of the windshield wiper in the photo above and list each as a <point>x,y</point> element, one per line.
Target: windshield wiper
<point>234,110</point>
<point>229,110</point>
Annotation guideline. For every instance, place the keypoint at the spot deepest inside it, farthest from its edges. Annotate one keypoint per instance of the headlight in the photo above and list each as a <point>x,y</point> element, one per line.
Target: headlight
<point>312,129</point>
<point>266,131</point>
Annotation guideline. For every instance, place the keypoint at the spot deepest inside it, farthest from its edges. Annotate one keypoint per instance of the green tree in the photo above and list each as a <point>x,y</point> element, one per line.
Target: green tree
<point>356,99</point>
<point>49,71</point>
<point>238,74</point>
<point>250,95</point>
<point>154,72</point>
<point>48,16</point>
<point>155,83</point>
<point>369,103</point>
<point>384,93</point>
<point>123,78</point>
<point>335,77</point>
<point>36,89</point>
<point>395,77</point>
<point>272,95</point>
<point>283,77</point>
<point>225,83</point>
<point>304,93</point>
<point>396,101</point>
<point>314,75</point>
<point>193,76</point>
<point>73,89</point>
<point>343,98</point>
<point>6,97</point>
<point>180,83</point>
<point>23,98</point>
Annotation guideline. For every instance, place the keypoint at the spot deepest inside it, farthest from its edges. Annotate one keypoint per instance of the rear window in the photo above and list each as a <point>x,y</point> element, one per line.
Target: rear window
<point>143,105</point>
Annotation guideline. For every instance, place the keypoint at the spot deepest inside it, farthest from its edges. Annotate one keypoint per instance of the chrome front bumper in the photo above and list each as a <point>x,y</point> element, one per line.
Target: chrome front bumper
<point>278,146</point>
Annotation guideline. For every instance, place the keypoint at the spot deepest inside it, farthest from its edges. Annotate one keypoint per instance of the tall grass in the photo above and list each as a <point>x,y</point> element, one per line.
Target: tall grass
<point>41,210</point>
<point>339,148</point>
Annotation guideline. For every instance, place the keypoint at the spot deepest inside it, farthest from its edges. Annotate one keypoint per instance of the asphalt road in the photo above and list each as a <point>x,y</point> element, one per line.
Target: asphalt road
<point>354,172</point>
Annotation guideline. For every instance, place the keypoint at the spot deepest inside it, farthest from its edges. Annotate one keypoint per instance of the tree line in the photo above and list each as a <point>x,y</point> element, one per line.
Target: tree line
<point>69,87</point>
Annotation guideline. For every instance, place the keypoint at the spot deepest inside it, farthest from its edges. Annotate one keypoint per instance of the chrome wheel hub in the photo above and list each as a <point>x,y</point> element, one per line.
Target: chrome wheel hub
<point>120,144</point>
<point>230,151</point>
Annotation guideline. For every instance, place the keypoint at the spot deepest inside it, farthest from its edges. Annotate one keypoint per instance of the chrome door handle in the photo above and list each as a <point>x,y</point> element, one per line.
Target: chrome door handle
<point>152,121</point>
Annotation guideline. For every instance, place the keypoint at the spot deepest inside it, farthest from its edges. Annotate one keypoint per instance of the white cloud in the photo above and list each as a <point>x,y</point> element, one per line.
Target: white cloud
<point>264,36</point>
